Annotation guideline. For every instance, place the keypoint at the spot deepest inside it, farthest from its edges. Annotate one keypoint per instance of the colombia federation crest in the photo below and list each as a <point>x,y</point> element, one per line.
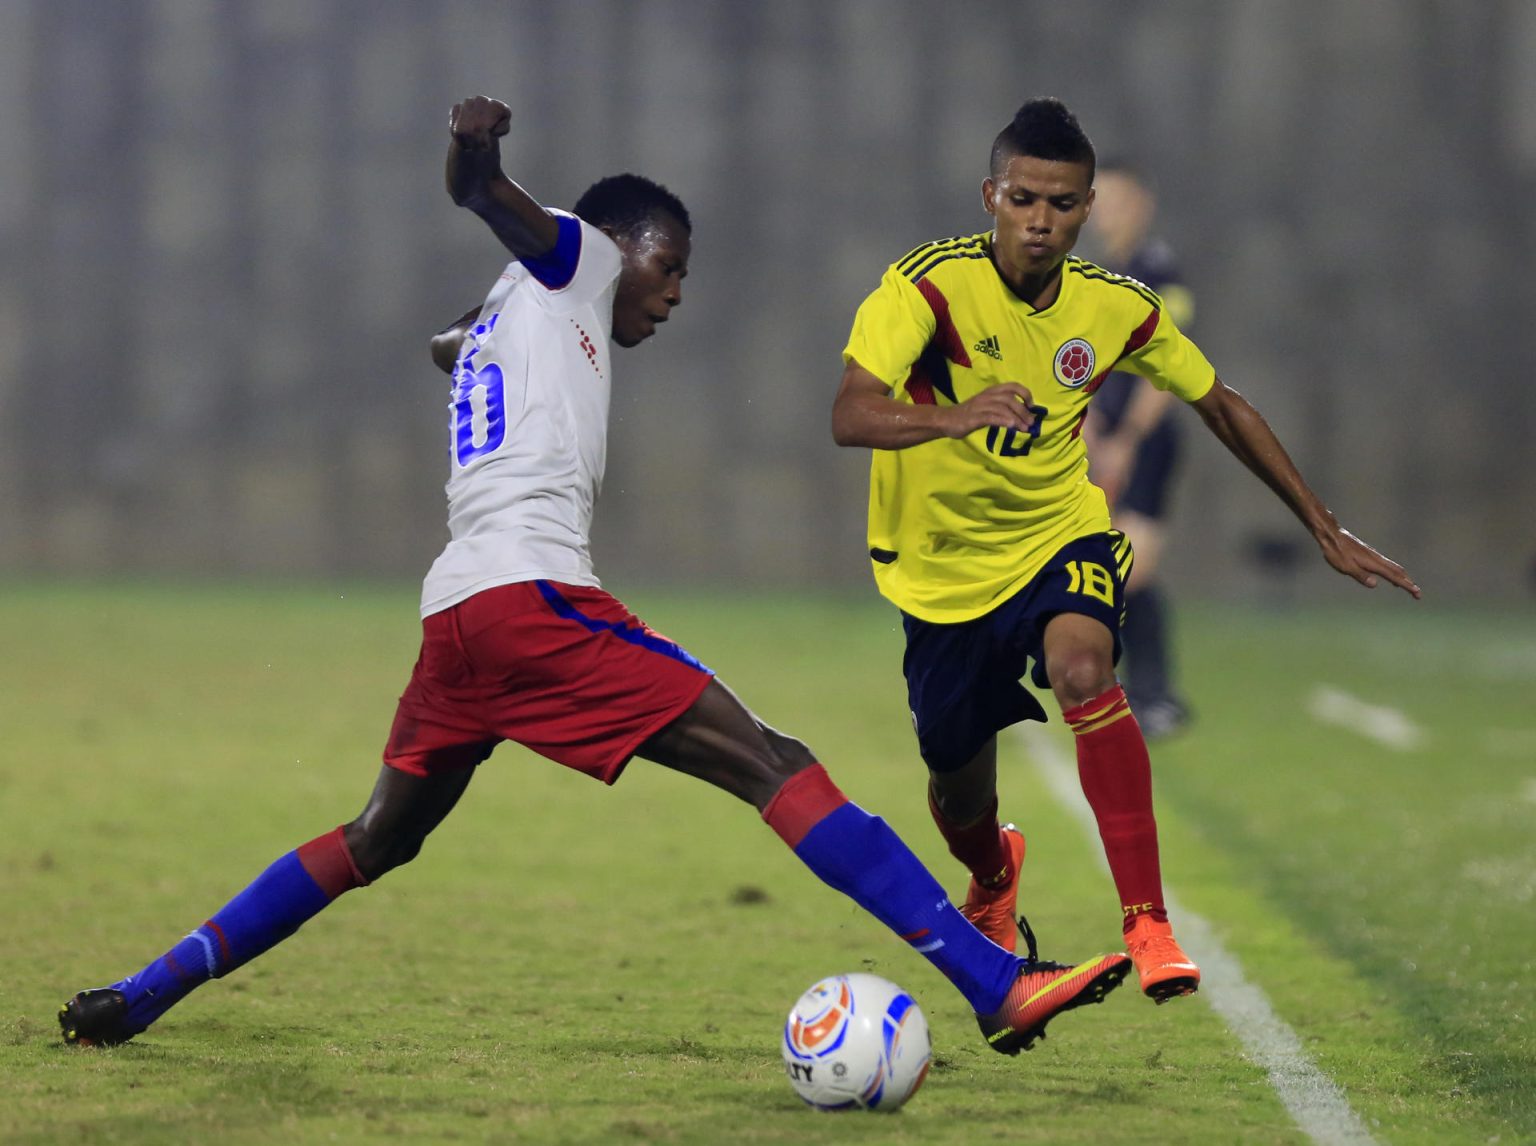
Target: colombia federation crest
<point>1073,364</point>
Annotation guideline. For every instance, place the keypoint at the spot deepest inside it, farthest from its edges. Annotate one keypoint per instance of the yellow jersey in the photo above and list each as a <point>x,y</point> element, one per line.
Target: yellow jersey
<point>958,525</point>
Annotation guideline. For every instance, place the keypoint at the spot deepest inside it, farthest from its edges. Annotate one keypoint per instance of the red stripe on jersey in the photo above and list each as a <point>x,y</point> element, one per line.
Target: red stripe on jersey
<point>945,335</point>
<point>1139,338</point>
<point>1142,334</point>
<point>920,386</point>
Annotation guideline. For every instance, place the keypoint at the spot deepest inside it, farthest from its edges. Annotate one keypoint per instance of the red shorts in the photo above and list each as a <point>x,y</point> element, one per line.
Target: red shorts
<point>566,671</point>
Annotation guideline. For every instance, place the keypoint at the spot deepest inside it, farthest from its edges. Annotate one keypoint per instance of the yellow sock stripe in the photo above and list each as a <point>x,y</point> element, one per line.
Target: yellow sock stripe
<point>1096,726</point>
<point>1117,711</point>
<point>1104,721</point>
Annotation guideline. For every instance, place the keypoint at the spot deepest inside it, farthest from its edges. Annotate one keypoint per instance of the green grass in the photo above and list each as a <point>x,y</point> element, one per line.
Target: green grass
<point>568,963</point>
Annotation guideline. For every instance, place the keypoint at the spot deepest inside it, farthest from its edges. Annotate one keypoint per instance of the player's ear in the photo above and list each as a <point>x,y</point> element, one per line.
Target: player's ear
<point>988,190</point>
<point>1088,202</point>
<point>620,240</point>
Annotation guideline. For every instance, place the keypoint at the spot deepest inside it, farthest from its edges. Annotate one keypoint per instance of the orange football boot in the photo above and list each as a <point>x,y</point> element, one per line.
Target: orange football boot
<point>1044,990</point>
<point>992,909</point>
<point>1166,972</point>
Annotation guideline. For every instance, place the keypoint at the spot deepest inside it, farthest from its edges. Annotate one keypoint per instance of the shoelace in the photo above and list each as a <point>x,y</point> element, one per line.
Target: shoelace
<point>1029,940</point>
<point>1032,961</point>
<point>1159,948</point>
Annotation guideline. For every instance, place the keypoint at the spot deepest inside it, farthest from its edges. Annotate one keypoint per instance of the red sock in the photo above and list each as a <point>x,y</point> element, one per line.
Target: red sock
<point>807,798</point>
<point>979,845</point>
<point>329,863</point>
<point>1116,775</point>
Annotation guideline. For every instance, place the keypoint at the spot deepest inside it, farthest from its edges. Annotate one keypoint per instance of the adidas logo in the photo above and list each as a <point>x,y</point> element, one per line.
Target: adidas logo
<point>989,347</point>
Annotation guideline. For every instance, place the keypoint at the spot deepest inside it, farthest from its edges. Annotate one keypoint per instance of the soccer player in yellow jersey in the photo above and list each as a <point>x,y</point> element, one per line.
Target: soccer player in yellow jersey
<point>969,372</point>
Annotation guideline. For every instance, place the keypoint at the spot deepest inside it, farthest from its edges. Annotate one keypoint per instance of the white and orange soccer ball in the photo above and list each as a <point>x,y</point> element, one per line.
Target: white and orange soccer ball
<point>856,1041</point>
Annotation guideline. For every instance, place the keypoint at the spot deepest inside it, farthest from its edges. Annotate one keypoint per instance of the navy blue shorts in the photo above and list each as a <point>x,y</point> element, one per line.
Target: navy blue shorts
<point>964,679</point>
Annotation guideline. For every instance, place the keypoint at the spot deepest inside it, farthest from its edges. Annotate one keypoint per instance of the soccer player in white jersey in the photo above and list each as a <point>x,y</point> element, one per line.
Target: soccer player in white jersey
<point>520,643</point>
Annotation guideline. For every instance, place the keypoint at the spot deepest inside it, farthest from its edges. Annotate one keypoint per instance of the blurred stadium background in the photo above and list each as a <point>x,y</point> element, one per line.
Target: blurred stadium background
<point>224,242</point>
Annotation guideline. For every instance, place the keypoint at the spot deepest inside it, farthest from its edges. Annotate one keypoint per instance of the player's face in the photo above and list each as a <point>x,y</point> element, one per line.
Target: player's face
<point>1040,205</point>
<point>651,283</point>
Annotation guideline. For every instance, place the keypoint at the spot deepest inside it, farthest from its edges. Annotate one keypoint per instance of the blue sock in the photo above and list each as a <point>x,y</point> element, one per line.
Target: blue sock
<point>863,858</point>
<point>272,908</point>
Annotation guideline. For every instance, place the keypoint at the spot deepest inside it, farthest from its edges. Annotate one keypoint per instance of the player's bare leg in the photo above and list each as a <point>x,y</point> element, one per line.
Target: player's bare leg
<point>1116,775</point>
<point>400,814</point>
<point>718,740</point>
<point>964,806</point>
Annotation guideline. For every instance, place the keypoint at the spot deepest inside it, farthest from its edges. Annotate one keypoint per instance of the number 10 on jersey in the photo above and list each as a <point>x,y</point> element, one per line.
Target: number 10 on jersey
<point>479,403</point>
<point>1012,443</point>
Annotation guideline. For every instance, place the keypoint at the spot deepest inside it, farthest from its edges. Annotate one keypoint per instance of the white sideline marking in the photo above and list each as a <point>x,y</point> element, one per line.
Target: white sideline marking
<point>1313,1100</point>
<point>1375,722</point>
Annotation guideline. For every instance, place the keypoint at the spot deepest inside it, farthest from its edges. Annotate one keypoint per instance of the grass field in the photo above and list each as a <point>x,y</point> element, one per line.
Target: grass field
<point>571,964</point>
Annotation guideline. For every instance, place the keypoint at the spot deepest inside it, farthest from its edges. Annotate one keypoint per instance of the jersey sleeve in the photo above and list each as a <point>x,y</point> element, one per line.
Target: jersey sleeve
<point>581,265</point>
<point>890,330</point>
<point>1169,360</point>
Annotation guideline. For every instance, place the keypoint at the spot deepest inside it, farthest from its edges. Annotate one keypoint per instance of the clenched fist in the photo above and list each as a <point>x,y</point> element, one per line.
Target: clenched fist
<point>478,122</point>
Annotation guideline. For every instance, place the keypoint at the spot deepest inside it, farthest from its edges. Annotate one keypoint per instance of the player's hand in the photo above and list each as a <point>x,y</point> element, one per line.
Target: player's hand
<point>476,123</point>
<point>1354,558</point>
<point>1005,405</point>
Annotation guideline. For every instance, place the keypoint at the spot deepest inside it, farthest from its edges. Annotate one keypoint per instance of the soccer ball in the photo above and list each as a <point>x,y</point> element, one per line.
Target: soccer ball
<point>856,1041</point>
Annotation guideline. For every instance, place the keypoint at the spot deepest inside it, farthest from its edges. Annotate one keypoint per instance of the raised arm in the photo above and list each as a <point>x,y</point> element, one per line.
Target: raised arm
<point>1243,430</point>
<point>865,414</point>
<point>475,179</point>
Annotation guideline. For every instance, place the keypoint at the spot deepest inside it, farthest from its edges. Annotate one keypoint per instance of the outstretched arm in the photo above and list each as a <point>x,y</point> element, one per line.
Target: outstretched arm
<point>865,414</point>
<point>475,179</point>
<point>1243,430</point>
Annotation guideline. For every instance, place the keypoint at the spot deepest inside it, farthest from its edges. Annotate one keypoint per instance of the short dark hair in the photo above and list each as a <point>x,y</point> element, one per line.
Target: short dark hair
<point>625,203</point>
<point>1043,129</point>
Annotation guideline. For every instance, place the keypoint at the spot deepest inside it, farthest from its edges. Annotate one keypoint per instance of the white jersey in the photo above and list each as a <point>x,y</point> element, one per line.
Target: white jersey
<point>528,428</point>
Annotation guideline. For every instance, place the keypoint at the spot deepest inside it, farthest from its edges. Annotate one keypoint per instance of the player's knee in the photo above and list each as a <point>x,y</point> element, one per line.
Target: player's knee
<point>788,755</point>
<point>377,852</point>
<point>782,758</point>
<point>1080,675</point>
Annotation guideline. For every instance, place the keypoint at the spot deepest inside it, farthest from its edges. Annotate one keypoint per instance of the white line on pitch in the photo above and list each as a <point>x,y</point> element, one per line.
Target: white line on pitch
<point>1314,1101</point>
<point>1375,722</point>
